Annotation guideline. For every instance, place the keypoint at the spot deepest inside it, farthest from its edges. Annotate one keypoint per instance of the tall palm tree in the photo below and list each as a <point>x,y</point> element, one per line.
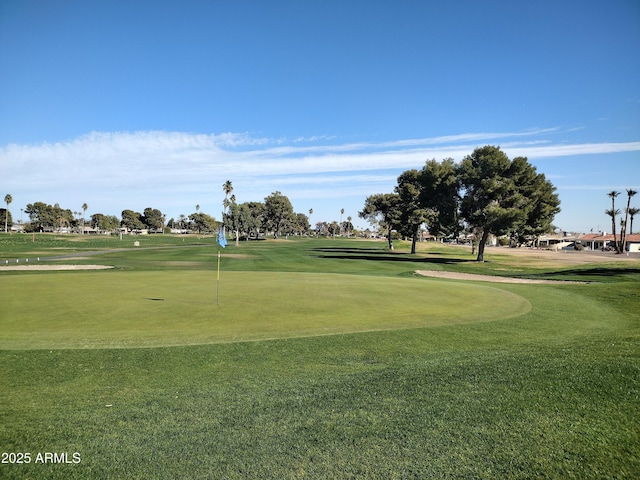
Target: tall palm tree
<point>633,211</point>
<point>613,212</point>
<point>623,233</point>
<point>84,212</point>
<point>7,199</point>
<point>227,188</point>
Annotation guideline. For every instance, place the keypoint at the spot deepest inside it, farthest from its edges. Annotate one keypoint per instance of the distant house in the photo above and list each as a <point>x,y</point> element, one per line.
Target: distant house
<point>603,241</point>
<point>557,241</point>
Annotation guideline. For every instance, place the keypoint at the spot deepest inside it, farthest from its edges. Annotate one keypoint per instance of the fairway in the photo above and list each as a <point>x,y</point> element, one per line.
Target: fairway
<point>323,358</point>
<point>141,309</point>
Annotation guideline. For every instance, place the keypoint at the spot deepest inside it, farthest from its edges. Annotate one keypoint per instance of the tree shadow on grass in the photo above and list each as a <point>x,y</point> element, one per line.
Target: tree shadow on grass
<point>349,250</point>
<point>378,255</point>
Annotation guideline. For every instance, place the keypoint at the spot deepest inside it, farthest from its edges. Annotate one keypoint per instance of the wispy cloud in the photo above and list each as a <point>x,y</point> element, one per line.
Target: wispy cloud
<point>602,188</point>
<point>153,164</point>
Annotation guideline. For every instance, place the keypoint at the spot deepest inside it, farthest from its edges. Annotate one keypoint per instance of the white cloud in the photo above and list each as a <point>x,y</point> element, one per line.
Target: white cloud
<point>131,157</point>
<point>152,166</point>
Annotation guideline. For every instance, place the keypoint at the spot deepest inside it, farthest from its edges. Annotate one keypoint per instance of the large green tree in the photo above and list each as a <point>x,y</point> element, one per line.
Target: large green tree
<point>500,196</point>
<point>131,220</point>
<point>203,223</point>
<point>278,213</point>
<point>43,216</point>
<point>439,194</point>
<point>153,219</point>
<point>301,224</point>
<point>542,202</point>
<point>413,213</point>
<point>384,209</point>
<point>238,219</point>
<point>105,223</point>
<point>256,219</point>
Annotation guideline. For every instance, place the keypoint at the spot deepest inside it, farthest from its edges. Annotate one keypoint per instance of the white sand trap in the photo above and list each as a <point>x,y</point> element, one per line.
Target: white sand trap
<point>487,278</point>
<point>54,267</point>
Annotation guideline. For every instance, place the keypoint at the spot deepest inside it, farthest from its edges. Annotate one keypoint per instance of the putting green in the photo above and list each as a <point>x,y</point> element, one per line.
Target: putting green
<point>115,309</point>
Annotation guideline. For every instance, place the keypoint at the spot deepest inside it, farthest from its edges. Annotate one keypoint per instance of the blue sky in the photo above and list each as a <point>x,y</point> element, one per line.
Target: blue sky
<point>135,104</point>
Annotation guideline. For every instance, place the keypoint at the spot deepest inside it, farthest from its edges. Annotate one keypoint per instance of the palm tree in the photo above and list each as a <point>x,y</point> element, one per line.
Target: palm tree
<point>633,211</point>
<point>84,212</point>
<point>623,233</point>
<point>227,188</point>
<point>613,212</point>
<point>7,199</point>
<point>341,213</point>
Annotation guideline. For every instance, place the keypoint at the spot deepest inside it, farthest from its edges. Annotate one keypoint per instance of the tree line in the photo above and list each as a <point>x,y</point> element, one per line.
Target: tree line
<point>487,193</point>
<point>253,219</point>
<point>250,219</point>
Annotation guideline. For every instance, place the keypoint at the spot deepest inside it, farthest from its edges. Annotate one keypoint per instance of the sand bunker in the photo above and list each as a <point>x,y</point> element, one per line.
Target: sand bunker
<point>487,278</point>
<point>54,267</point>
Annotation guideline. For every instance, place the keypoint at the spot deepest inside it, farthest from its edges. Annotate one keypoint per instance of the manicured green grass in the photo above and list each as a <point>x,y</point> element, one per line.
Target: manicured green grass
<point>553,392</point>
<point>140,309</point>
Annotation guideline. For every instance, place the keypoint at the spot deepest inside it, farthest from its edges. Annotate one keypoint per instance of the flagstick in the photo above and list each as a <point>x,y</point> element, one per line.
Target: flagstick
<point>218,279</point>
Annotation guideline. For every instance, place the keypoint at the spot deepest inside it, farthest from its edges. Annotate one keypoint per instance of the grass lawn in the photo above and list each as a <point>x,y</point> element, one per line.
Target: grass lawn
<point>323,359</point>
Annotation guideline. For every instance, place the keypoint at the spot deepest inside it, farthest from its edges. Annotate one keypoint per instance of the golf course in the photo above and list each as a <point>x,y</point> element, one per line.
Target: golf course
<point>319,358</point>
